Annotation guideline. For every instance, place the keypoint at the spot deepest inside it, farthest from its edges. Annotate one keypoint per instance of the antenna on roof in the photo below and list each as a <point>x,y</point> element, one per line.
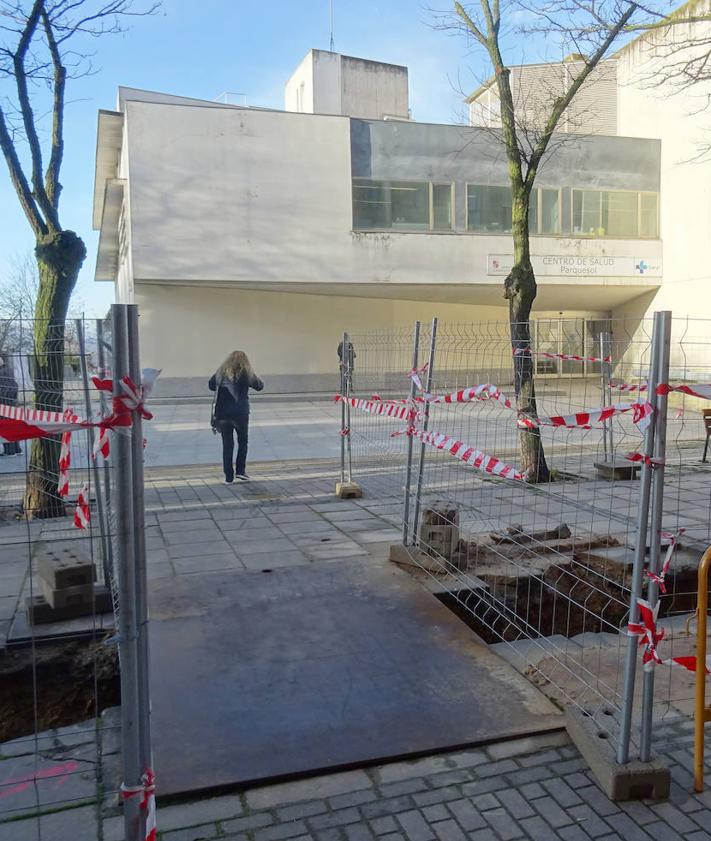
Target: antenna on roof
<point>330,15</point>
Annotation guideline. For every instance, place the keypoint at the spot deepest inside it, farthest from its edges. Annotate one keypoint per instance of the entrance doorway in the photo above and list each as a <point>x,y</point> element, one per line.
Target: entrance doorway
<point>575,336</point>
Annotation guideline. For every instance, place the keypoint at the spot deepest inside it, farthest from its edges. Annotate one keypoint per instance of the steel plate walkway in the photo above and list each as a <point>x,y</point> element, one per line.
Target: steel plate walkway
<point>259,676</point>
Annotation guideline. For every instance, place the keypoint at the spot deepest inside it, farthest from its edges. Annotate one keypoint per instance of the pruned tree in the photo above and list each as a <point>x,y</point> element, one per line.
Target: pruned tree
<point>590,28</point>
<point>40,50</point>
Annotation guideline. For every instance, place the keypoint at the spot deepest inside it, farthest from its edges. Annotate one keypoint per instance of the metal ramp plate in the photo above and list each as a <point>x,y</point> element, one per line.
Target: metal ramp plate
<point>264,676</point>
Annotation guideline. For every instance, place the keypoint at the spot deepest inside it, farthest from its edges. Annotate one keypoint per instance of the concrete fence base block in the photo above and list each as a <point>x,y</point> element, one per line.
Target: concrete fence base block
<point>348,490</point>
<point>635,780</point>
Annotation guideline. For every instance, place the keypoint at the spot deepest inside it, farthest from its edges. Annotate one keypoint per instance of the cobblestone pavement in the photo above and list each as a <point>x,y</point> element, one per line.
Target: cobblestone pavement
<point>537,788</point>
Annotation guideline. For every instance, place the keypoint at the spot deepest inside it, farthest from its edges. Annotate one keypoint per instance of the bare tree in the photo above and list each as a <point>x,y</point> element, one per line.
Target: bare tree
<point>40,50</point>
<point>591,27</point>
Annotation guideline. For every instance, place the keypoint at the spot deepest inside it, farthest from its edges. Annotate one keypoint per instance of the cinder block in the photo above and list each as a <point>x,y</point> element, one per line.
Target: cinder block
<point>348,490</point>
<point>78,596</point>
<point>40,612</point>
<point>65,567</point>
<point>635,780</point>
<point>617,470</point>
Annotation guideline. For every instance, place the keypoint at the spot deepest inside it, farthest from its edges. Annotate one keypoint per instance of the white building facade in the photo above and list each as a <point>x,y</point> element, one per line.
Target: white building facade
<point>273,231</point>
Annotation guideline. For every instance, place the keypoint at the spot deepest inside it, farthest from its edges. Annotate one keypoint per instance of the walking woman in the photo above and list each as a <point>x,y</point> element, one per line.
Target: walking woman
<point>232,382</point>
<point>8,396</point>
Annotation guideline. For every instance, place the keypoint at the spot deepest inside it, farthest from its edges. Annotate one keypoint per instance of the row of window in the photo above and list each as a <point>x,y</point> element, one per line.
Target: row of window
<point>429,206</point>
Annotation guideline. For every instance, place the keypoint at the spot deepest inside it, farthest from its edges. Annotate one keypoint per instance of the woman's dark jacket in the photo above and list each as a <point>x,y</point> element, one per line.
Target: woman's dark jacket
<point>233,395</point>
<point>8,386</point>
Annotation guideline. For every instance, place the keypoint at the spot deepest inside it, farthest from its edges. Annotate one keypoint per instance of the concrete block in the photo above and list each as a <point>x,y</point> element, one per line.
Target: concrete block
<point>617,470</point>
<point>635,780</point>
<point>348,490</point>
<point>78,596</point>
<point>65,567</point>
<point>40,612</point>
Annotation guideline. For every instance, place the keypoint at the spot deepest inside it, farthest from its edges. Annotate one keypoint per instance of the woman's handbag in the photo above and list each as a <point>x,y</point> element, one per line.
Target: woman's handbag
<point>213,420</point>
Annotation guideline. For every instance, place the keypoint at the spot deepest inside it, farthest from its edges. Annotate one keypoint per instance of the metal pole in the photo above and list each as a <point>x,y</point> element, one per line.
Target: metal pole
<point>700,712</point>
<point>347,354</point>
<point>101,353</point>
<point>623,748</point>
<point>101,509</point>
<point>425,425</point>
<point>144,697</point>
<point>408,477</point>
<point>660,449</point>
<point>342,367</point>
<point>606,387</point>
<point>130,725</point>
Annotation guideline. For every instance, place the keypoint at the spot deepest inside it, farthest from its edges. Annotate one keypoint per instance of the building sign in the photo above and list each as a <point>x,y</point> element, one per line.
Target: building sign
<point>552,265</point>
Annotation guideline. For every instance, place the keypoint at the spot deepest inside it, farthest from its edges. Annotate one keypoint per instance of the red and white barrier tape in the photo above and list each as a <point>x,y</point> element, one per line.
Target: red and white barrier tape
<point>673,538</point>
<point>469,455</point>
<point>65,457</point>
<point>629,386</point>
<point>650,635</point>
<point>702,390</point>
<point>526,351</point>
<point>401,411</point>
<point>642,417</point>
<point>102,446</point>
<point>641,457</point>
<point>147,791</point>
<point>487,391</point>
<point>82,514</point>
<point>414,375</point>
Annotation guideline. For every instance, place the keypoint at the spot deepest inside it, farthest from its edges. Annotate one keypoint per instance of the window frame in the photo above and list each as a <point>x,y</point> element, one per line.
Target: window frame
<point>638,193</point>
<point>430,204</point>
<point>539,211</point>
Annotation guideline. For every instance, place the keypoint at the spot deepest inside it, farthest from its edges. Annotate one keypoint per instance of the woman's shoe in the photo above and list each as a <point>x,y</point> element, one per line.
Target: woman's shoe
<point>229,481</point>
<point>243,477</point>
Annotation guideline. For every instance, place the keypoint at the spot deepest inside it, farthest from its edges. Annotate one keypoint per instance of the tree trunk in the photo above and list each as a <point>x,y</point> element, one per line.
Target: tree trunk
<point>60,255</point>
<point>520,289</point>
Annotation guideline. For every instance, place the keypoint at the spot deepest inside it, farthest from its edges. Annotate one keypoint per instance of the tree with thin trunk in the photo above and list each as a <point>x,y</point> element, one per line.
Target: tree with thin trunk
<point>592,28</point>
<point>40,49</point>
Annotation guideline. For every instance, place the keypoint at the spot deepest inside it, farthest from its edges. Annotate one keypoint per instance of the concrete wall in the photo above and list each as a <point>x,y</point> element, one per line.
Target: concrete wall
<point>536,86</point>
<point>226,195</point>
<point>649,106</point>
<point>291,339</point>
<point>330,83</point>
<point>466,154</point>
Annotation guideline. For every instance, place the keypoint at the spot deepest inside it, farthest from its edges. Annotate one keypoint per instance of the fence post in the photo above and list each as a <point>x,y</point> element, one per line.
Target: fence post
<point>141,577</point>
<point>660,449</point>
<point>348,369</point>
<point>606,388</point>
<point>130,749</point>
<point>408,477</point>
<point>342,369</point>
<point>102,346</point>
<point>623,748</point>
<point>425,425</point>
<point>100,502</point>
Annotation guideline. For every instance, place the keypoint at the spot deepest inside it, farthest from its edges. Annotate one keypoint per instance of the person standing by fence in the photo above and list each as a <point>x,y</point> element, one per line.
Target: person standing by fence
<point>347,362</point>
<point>231,383</point>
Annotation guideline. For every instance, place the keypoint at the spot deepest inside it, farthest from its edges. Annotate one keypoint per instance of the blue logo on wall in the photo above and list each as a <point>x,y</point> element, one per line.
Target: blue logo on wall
<point>641,267</point>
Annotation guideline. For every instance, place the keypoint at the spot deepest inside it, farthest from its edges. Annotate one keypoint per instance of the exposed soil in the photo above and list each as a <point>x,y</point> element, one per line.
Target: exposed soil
<point>563,599</point>
<point>55,685</point>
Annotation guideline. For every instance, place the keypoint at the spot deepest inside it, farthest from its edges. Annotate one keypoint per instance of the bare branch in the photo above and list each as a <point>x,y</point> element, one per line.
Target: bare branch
<point>563,102</point>
<point>52,186</point>
<point>18,179</point>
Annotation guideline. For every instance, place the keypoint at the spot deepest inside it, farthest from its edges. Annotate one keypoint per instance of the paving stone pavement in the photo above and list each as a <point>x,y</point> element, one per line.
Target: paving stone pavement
<point>536,788</point>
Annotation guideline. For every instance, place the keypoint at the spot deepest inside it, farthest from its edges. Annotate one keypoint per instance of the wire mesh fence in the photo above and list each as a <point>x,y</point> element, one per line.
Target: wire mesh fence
<point>542,571</point>
<point>62,556</point>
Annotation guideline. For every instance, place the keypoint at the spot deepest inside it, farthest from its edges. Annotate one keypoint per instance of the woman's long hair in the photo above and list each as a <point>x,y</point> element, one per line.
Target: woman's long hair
<point>235,366</point>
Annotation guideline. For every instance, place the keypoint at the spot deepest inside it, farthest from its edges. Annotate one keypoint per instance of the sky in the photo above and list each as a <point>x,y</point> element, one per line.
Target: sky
<point>202,49</point>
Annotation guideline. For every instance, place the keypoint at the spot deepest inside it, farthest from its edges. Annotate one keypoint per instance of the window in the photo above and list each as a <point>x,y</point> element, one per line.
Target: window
<point>402,205</point>
<point>615,213</point>
<point>489,210</point>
